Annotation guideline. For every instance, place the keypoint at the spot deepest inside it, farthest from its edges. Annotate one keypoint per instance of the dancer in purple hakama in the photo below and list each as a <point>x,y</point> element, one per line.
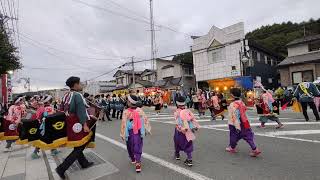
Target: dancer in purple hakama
<point>186,125</point>
<point>134,126</point>
<point>239,125</point>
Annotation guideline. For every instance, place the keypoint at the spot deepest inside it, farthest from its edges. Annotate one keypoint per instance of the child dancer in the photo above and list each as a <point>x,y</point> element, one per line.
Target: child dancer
<point>134,126</point>
<point>270,110</point>
<point>186,125</point>
<point>239,125</point>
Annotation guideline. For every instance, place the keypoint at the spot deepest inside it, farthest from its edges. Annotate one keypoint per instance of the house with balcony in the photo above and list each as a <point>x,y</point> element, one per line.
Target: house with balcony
<point>148,75</point>
<point>303,61</point>
<point>124,78</point>
<point>223,58</point>
<point>98,87</point>
<point>176,74</point>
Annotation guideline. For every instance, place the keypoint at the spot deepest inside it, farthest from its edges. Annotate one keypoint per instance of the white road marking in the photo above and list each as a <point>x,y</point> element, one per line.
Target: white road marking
<point>295,132</point>
<point>226,125</point>
<point>267,124</point>
<point>270,135</point>
<point>174,167</point>
<point>208,118</point>
<point>219,127</point>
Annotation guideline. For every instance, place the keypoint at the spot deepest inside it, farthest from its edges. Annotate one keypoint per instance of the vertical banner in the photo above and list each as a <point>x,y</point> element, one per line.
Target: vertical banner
<point>9,87</point>
<point>4,94</point>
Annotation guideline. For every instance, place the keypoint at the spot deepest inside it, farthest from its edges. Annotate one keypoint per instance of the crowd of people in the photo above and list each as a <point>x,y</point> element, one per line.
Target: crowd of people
<point>135,124</point>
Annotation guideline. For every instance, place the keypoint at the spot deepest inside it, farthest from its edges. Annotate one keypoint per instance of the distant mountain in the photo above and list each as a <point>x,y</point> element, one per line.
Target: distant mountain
<point>276,36</point>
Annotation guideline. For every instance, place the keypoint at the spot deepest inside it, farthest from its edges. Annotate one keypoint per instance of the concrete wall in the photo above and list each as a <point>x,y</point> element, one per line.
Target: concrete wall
<point>298,50</point>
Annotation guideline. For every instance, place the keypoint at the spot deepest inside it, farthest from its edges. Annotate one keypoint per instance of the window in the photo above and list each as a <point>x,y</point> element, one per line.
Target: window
<point>269,60</point>
<point>254,55</point>
<point>120,81</point>
<point>314,46</point>
<point>262,59</point>
<point>217,55</point>
<point>149,77</point>
<point>168,72</point>
<point>233,68</point>
<point>298,77</point>
<point>188,71</point>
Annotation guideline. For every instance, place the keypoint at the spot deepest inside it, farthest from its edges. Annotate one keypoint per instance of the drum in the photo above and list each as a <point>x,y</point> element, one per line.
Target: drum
<point>1,129</point>
<point>28,131</point>
<point>75,133</point>
<point>53,132</point>
<point>10,131</point>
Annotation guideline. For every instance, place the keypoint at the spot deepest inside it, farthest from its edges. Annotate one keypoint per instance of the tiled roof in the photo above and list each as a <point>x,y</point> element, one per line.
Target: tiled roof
<point>304,58</point>
<point>304,40</point>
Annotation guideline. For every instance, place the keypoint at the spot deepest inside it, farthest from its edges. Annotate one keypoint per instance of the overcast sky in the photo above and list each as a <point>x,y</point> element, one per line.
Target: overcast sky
<point>60,38</point>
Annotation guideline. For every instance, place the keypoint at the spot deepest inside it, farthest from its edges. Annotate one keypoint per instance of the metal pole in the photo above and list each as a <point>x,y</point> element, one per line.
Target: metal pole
<point>133,75</point>
<point>29,85</point>
<point>241,68</point>
<point>152,34</point>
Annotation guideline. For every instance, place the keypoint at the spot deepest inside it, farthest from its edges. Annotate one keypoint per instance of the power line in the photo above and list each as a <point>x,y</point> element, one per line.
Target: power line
<point>47,68</point>
<point>71,53</point>
<point>129,17</point>
<point>127,9</point>
<point>58,57</point>
<point>104,73</point>
<point>4,13</point>
<point>112,12</point>
<point>11,18</point>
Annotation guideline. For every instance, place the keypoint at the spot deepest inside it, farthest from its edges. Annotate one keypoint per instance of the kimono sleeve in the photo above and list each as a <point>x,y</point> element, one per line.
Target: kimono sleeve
<point>123,124</point>
<point>80,108</point>
<point>147,125</point>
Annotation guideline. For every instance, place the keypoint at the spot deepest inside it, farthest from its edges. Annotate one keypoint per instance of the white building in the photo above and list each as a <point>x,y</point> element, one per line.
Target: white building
<point>97,87</point>
<point>218,59</point>
<point>216,54</point>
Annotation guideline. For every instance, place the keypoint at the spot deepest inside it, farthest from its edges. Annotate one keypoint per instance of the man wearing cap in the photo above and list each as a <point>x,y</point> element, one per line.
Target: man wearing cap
<point>74,105</point>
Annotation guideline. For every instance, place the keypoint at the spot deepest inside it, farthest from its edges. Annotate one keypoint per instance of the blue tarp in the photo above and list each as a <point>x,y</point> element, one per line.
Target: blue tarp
<point>245,82</point>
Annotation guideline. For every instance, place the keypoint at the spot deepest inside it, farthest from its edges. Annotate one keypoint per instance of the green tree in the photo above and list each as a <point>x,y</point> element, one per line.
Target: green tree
<point>186,58</point>
<point>275,37</point>
<point>8,52</point>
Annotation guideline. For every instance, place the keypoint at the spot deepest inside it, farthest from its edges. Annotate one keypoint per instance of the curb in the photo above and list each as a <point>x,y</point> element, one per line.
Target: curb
<point>48,166</point>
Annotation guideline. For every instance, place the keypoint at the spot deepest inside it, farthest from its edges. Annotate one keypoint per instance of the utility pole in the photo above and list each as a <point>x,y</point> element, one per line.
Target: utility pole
<point>133,75</point>
<point>152,36</point>
<point>29,84</point>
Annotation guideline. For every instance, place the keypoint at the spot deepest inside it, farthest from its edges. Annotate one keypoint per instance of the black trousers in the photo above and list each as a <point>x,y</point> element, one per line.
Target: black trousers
<point>75,155</point>
<point>313,107</point>
<point>114,113</point>
<point>107,114</point>
<point>119,112</point>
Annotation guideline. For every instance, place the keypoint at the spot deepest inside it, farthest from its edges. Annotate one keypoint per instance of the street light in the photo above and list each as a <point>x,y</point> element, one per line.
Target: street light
<point>244,59</point>
<point>10,72</point>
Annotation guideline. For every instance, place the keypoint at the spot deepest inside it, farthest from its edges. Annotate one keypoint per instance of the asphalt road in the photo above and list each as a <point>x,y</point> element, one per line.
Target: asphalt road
<point>290,153</point>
